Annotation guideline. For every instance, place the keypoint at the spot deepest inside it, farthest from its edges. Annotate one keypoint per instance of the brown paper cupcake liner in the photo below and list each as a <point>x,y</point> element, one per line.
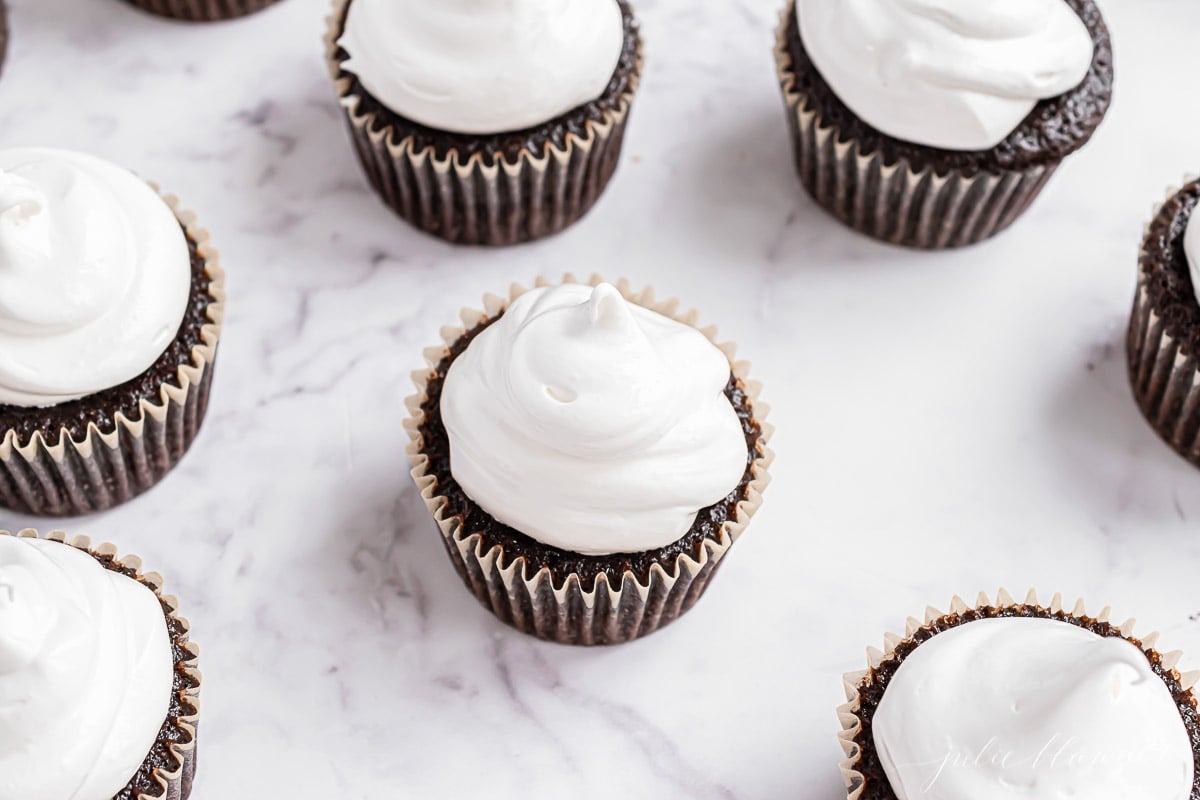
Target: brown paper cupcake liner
<point>471,201</point>
<point>893,202</point>
<point>202,10</point>
<point>108,467</point>
<point>173,779</point>
<point>916,631</point>
<point>1165,378</point>
<point>561,608</point>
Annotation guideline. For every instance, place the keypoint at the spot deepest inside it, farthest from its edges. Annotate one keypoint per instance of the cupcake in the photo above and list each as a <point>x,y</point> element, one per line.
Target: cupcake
<point>490,122</point>
<point>589,456</point>
<point>3,31</point>
<point>99,693</point>
<point>202,10</point>
<point>1164,329</point>
<point>935,125</point>
<point>1022,702</point>
<point>110,312</point>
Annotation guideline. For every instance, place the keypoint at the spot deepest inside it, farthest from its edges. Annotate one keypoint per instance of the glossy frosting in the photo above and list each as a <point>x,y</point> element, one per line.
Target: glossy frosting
<point>953,74</point>
<point>1030,709</point>
<point>95,275</point>
<point>592,424</point>
<point>483,66</point>
<point>1191,248</point>
<point>85,674</point>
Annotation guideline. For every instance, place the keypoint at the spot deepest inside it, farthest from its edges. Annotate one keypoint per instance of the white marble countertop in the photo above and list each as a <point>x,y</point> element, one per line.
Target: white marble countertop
<point>946,423</point>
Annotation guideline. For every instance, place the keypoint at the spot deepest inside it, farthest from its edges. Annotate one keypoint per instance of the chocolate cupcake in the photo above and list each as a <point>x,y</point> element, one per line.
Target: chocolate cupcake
<point>202,10</point>
<point>589,455</point>
<point>3,31</point>
<point>111,304</point>
<point>492,125</point>
<point>933,127</point>
<point>1164,329</point>
<point>1018,700</point>
<point>99,693</point>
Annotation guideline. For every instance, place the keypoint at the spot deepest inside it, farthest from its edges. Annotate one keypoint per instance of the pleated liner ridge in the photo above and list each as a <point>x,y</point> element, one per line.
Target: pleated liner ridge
<point>561,609</point>
<point>849,714</point>
<point>174,780</point>
<point>202,10</point>
<point>473,202</point>
<point>1165,378</point>
<point>107,468</point>
<point>893,202</point>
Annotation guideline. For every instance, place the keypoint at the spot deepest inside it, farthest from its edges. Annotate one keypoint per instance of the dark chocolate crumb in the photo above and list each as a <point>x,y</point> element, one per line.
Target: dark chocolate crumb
<point>1165,266</point>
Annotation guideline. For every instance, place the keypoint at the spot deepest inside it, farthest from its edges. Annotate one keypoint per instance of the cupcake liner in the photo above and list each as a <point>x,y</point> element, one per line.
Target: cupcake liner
<point>855,682</point>
<point>107,468</point>
<point>561,608</point>
<point>893,202</point>
<point>1165,379</point>
<point>202,10</point>
<point>471,201</point>
<point>174,780</point>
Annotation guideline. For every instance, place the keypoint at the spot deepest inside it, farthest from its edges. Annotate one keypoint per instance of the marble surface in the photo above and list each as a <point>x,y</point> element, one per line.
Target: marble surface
<point>946,422</point>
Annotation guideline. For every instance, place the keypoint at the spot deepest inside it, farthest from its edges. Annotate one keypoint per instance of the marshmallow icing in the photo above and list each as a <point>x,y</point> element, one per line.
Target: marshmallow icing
<point>1191,249</point>
<point>1017,708</point>
<point>483,66</point>
<point>86,674</point>
<point>95,275</point>
<point>953,74</point>
<point>592,424</point>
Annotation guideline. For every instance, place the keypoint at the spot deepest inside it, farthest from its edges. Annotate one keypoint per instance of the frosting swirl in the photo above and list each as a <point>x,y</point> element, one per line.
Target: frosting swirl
<point>1017,708</point>
<point>95,275</point>
<point>86,674</point>
<point>946,73</point>
<point>483,66</point>
<point>592,424</point>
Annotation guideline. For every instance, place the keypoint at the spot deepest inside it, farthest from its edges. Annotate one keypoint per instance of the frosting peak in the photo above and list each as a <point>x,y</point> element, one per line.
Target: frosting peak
<point>94,276</point>
<point>592,424</point>
<point>483,66</point>
<point>1026,709</point>
<point>946,73</point>
<point>86,674</point>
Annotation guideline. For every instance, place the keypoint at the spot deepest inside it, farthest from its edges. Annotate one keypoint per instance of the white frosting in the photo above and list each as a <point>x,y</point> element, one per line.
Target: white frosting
<point>1030,709</point>
<point>94,276</point>
<point>1191,248</point>
<point>954,74</point>
<point>483,66</point>
<point>592,424</point>
<point>85,674</point>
